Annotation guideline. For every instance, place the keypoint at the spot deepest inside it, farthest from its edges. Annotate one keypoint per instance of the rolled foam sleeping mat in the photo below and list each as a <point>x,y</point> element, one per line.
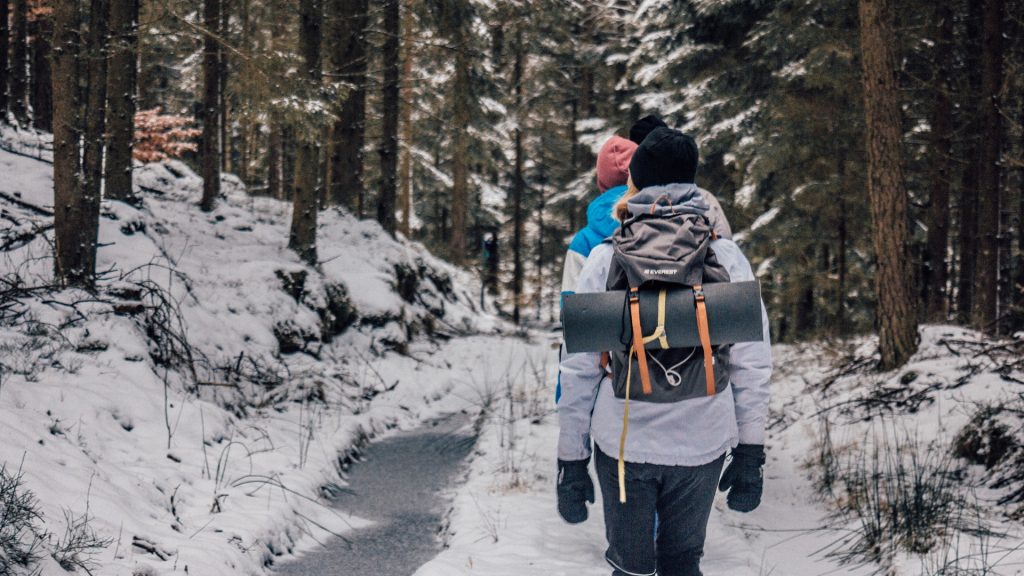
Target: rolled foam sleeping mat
<point>599,321</point>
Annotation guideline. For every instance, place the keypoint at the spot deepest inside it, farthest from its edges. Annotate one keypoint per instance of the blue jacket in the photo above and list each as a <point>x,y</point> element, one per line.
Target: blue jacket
<point>600,226</point>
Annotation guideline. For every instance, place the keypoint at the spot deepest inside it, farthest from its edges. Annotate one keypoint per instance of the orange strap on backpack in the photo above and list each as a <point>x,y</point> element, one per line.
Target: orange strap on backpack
<point>704,331</point>
<point>638,340</point>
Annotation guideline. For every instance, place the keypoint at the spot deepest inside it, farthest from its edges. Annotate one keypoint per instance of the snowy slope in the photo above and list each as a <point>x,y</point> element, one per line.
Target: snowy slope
<point>205,403</point>
<point>505,520</point>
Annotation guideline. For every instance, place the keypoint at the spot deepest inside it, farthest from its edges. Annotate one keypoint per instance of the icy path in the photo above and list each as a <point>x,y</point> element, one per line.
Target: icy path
<point>402,488</point>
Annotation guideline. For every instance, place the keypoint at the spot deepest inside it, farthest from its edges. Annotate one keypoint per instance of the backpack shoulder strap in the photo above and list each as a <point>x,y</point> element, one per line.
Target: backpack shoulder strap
<point>638,340</point>
<point>704,332</point>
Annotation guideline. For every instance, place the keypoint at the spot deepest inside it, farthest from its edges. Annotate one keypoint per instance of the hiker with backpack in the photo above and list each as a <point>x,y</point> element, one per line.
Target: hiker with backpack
<point>612,174</point>
<point>663,419</point>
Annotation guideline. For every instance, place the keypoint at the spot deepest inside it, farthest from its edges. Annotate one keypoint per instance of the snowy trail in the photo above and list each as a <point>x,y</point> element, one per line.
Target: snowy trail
<point>505,521</point>
<point>402,487</point>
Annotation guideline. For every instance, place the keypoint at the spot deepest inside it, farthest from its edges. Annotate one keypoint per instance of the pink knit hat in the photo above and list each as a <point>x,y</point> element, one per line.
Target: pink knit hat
<point>613,162</point>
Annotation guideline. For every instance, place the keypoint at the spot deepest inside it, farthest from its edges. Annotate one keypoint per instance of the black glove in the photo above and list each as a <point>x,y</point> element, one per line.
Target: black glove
<point>574,489</point>
<point>743,478</point>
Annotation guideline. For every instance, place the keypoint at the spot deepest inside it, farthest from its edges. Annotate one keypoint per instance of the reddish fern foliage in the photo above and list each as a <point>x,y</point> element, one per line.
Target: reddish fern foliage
<point>160,136</point>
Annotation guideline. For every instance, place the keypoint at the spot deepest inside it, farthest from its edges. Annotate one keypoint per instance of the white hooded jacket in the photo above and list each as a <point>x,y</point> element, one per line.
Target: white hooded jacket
<point>687,433</point>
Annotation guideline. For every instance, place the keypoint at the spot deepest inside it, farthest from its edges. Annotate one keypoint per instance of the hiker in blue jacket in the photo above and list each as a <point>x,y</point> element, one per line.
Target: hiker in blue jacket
<point>612,174</point>
<point>674,452</point>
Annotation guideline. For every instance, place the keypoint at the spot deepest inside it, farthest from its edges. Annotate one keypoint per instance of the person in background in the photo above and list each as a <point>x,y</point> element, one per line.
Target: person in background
<point>612,174</point>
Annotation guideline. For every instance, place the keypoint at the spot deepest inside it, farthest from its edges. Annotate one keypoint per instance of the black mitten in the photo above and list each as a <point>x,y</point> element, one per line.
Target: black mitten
<point>575,488</point>
<point>743,478</point>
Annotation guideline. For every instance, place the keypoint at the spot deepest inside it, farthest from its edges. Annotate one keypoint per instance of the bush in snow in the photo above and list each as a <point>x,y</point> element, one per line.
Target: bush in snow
<point>20,535</point>
<point>988,439</point>
<point>76,548</point>
<point>902,495</point>
<point>160,136</point>
<point>994,438</point>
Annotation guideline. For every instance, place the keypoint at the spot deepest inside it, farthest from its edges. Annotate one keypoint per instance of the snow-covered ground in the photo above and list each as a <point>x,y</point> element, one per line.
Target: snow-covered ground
<point>200,409</point>
<point>505,521</point>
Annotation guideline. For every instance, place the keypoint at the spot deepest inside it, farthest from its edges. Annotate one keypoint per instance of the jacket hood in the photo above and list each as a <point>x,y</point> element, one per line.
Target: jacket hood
<point>669,199</point>
<point>599,212</point>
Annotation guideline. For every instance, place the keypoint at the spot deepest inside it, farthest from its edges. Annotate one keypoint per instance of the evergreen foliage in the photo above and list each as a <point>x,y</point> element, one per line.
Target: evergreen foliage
<point>502,106</point>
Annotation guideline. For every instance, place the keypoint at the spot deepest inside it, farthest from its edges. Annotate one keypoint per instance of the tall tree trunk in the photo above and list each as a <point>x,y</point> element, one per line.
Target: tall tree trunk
<point>121,99</point>
<point>842,265</point>
<point>275,140</point>
<point>968,225</point>
<point>19,61</point>
<point>518,182</point>
<point>348,62</point>
<point>389,130</point>
<point>275,160</point>
<point>248,126</point>
<point>1018,299</point>
<point>222,88</point>
<point>940,156</point>
<point>305,200</point>
<point>210,145</point>
<point>540,253</point>
<point>96,98</point>
<point>588,108</point>
<point>5,73</point>
<point>987,275</point>
<point>41,92</point>
<point>842,230</point>
<point>805,309</point>
<point>76,215</point>
<point>407,95</point>
<point>897,319</point>
<point>460,144</point>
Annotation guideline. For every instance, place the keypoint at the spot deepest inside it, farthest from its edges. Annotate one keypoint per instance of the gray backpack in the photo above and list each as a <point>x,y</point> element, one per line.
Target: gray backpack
<point>655,252</point>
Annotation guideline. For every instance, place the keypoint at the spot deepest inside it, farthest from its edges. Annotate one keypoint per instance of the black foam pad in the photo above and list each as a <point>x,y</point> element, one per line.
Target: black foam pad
<point>598,322</point>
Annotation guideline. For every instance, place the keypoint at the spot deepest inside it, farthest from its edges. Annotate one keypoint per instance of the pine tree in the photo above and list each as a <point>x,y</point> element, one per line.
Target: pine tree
<point>389,131</point>
<point>76,212</point>
<point>40,95</point>
<point>990,192</point>
<point>305,200</point>
<point>459,19</point>
<point>121,99</point>
<point>897,320</point>
<point>4,48</point>
<point>518,179</point>
<point>940,153</point>
<point>210,148</point>
<point>407,96</point>
<point>19,62</point>
<point>349,20</point>
<point>96,53</point>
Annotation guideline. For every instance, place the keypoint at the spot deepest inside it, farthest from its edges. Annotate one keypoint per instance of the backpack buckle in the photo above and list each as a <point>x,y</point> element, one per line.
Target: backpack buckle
<point>698,293</point>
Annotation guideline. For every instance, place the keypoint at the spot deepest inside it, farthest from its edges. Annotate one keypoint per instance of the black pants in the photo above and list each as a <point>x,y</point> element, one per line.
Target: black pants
<point>680,497</point>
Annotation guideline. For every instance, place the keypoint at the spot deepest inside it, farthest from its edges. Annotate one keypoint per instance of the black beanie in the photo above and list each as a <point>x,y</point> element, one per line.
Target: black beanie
<point>644,126</point>
<point>666,156</point>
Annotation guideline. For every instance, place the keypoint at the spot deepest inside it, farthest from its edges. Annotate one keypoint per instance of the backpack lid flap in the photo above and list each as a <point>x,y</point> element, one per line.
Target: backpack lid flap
<point>668,249</point>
